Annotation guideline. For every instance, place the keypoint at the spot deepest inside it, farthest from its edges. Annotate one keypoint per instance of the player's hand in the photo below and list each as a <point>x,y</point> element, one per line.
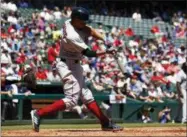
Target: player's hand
<point>119,97</point>
<point>9,93</point>
<point>28,93</point>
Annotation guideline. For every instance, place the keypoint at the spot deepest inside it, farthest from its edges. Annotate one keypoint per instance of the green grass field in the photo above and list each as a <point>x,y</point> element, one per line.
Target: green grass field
<point>89,126</point>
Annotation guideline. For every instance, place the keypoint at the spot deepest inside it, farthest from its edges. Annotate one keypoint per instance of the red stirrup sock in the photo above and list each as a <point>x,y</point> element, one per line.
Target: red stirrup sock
<point>94,108</point>
<point>56,106</point>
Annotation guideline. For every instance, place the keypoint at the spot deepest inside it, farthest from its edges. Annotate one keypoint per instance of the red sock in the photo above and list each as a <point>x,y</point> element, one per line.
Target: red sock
<point>56,106</point>
<point>94,108</point>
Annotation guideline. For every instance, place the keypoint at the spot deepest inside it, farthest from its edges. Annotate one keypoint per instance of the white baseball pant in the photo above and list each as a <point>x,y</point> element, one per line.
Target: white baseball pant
<point>184,101</point>
<point>71,73</point>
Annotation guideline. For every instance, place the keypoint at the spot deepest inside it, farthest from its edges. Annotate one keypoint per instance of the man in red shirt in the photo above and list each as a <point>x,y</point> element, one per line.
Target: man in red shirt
<point>40,74</point>
<point>117,42</point>
<point>52,53</point>
<point>95,46</point>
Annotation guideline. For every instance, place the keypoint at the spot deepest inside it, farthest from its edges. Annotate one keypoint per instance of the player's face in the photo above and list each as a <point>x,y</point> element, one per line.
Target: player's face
<point>79,24</point>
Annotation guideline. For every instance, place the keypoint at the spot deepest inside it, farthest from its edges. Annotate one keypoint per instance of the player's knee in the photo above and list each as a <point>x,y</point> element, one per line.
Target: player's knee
<point>77,109</point>
<point>62,69</point>
<point>87,96</point>
<point>70,105</point>
<point>71,84</point>
<point>87,101</point>
<point>70,102</point>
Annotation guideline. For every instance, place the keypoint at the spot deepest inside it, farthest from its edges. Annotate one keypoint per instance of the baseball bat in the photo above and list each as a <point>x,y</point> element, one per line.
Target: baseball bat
<point>121,66</point>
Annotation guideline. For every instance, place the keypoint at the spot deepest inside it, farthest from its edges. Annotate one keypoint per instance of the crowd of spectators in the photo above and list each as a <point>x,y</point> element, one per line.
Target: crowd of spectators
<point>37,42</point>
<point>151,65</point>
<point>150,10</point>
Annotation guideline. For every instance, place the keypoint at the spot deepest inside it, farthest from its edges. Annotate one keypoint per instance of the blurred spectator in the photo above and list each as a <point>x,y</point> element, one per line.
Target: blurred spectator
<point>134,87</point>
<point>5,57</point>
<point>56,33</point>
<point>41,43</point>
<point>35,15</point>
<point>46,14</point>
<point>40,23</point>
<point>7,69</point>
<point>12,6</point>
<point>169,91</point>
<point>164,115</point>
<point>52,53</point>
<point>57,13</point>
<point>115,30</point>
<point>12,18</point>
<point>29,35</point>
<point>117,42</point>
<point>67,12</point>
<point>129,32</point>
<point>174,18</point>
<point>23,4</point>
<point>136,15</point>
<point>41,74</point>
<point>53,76</point>
<point>21,58</point>
<point>144,113</point>
<point>121,82</point>
<point>153,94</point>
<point>3,5</point>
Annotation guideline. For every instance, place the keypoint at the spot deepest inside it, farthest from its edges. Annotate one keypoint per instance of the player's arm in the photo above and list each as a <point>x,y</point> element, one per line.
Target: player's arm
<point>89,53</point>
<point>9,93</point>
<point>92,32</point>
<point>179,90</point>
<point>181,76</point>
<point>4,92</point>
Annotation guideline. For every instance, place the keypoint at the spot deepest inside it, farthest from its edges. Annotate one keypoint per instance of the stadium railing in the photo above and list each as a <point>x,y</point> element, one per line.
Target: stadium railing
<point>125,112</point>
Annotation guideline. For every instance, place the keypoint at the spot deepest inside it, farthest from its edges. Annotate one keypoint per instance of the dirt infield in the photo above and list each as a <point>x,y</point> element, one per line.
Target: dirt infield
<point>140,131</point>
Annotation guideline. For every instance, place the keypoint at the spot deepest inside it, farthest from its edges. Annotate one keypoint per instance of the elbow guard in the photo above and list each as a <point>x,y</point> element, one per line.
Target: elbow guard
<point>89,53</point>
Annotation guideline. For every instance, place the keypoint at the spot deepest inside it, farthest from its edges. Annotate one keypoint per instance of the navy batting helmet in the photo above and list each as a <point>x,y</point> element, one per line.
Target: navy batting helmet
<point>80,13</point>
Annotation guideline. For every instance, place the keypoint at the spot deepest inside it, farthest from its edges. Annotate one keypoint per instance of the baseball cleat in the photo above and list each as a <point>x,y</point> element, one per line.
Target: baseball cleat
<point>35,121</point>
<point>111,127</point>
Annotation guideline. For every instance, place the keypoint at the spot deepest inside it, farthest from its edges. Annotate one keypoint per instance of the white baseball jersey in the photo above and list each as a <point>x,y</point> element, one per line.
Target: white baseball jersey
<point>73,42</point>
<point>181,78</point>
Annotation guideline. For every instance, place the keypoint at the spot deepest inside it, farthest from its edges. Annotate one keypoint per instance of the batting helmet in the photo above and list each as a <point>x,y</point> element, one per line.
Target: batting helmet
<point>80,13</point>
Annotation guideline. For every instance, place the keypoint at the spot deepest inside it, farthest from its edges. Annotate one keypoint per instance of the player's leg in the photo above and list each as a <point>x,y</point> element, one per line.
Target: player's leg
<point>184,101</point>
<point>86,95</point>
<point>106,105</point>
<point>4,110</point>
<point>88,100</point>
<point>71,91</point>
<point>78,109</point>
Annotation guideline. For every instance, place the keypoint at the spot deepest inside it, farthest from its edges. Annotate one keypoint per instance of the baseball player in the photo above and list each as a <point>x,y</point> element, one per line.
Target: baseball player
<point>181,78</point>
<point>73,47</point>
